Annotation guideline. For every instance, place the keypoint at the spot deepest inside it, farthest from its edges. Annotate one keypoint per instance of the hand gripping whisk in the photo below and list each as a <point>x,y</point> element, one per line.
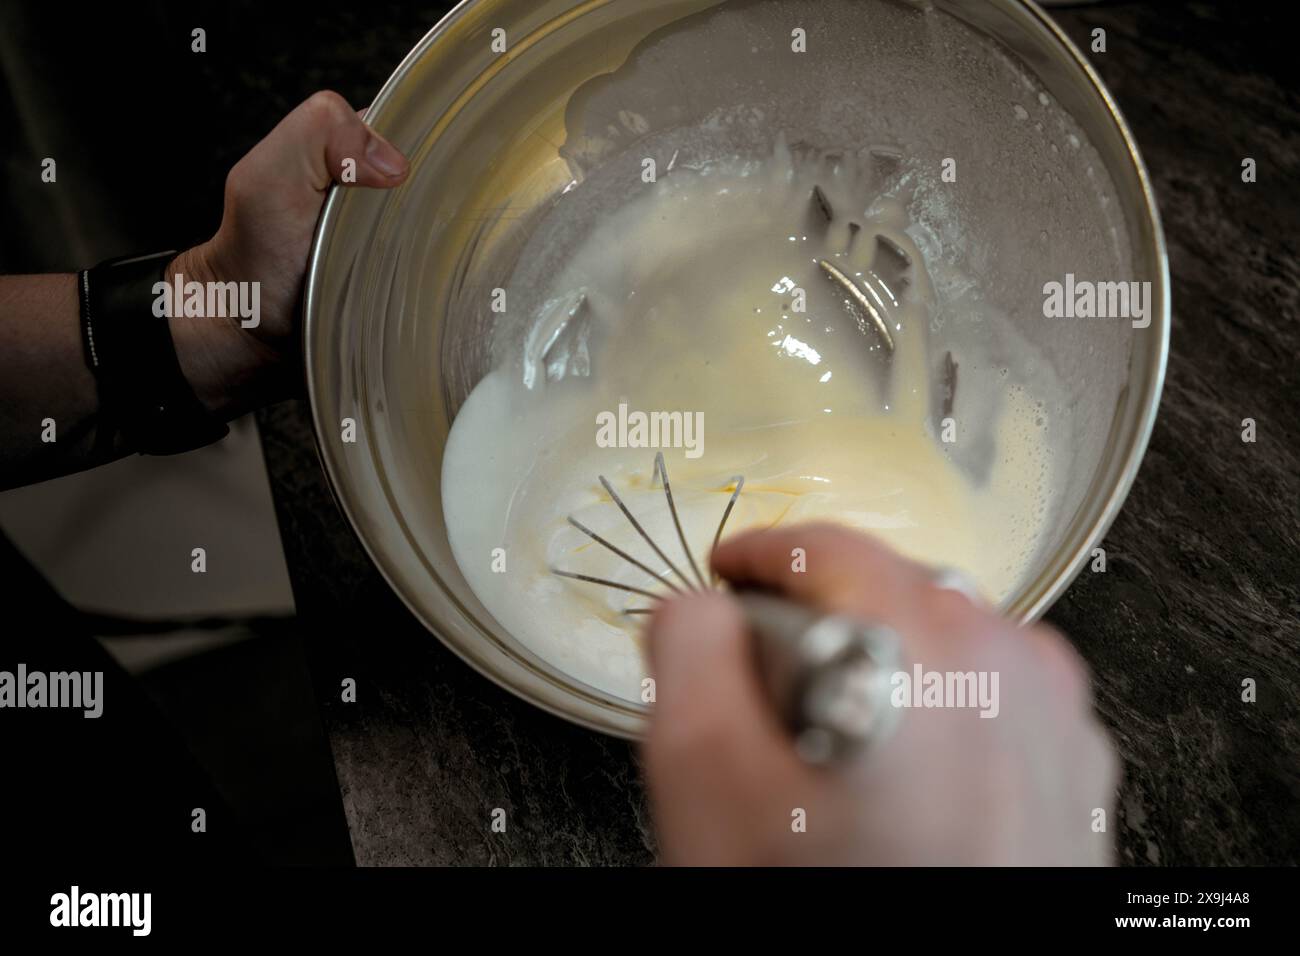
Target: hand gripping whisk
<point>828,676</point>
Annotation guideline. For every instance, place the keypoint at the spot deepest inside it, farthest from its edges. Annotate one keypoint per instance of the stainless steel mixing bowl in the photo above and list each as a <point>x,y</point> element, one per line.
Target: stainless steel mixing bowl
<point>392,345</point>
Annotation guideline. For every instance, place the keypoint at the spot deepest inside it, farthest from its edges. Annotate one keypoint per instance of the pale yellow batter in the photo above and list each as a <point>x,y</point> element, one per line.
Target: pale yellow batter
<point>692,306</point>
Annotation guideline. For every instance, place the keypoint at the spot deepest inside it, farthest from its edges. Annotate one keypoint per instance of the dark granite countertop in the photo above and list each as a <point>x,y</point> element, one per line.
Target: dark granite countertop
<point>1201,590</point>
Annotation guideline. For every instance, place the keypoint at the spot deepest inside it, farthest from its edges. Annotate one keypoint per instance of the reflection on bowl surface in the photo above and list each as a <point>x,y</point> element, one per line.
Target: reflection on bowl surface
<point>810,243</point>
<point>765,318</point>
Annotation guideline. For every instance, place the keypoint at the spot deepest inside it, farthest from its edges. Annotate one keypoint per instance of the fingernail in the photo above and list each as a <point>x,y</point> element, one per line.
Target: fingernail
<point>952,579</point>
<point>384,157</point>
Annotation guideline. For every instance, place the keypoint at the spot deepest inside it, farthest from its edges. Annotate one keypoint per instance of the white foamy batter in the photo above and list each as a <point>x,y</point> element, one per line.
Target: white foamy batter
<point>692,306</point>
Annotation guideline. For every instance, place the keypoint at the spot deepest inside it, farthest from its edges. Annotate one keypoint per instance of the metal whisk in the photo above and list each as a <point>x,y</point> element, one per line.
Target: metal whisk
<point>700,583</point>
<point>826,675</point>
<point>890,268</point>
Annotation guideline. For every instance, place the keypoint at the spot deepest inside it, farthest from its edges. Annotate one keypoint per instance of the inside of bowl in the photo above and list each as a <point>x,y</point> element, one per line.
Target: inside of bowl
<point>1044,188</point>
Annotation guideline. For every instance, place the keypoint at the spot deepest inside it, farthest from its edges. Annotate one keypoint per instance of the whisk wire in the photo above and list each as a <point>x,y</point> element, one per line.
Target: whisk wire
<point>660,473</point>
<point>622,554</point>
<point>641,531</point>
<point>607,583</point>
<point>731,503</point>
<point>661,470</point>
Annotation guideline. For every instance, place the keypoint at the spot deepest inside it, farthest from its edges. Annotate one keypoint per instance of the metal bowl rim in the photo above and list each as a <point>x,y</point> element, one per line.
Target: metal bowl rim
<point>632,725</point>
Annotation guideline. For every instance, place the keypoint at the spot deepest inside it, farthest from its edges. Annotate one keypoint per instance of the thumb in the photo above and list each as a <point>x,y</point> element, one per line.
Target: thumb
<point>707,690</point>
<point>323,141</point>
<point>721,772</point>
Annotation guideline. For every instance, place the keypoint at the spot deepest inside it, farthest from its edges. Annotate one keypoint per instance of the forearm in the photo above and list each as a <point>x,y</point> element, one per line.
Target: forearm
<point>50,411</point>
<point>51,417</point>
<point>48,397</point>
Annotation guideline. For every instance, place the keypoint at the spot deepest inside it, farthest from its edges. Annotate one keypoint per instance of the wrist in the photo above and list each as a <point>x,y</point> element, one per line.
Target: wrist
<point>227,368</point>
<point>146,402</point>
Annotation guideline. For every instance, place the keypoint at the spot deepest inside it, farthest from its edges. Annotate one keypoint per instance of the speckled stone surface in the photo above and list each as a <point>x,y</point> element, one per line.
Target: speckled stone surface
<point>1201,590</point>
<point>1203,587</point>
<point>430,748</point>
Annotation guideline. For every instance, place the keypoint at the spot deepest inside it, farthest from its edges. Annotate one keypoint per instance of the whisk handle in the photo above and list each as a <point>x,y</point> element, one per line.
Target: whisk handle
<point>828,676</point>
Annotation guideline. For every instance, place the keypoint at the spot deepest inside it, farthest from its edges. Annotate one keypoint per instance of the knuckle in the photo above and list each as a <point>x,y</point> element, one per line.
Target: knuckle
<point>669,616</point>
<point>683,619</point>
<point>327,106</point>
<point>237,182</point>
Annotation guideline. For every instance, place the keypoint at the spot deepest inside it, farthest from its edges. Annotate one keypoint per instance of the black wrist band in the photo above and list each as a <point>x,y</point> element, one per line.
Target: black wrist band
<point>143,395</point>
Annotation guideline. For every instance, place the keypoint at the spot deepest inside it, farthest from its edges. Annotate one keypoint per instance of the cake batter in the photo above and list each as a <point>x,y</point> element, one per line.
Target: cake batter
<point>706,297</point>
